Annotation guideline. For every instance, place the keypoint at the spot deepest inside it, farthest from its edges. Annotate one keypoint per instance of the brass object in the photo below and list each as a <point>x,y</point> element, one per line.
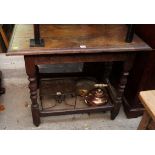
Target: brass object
<point>83,86</point>
<point>96,97</point>
<point>82,92</point>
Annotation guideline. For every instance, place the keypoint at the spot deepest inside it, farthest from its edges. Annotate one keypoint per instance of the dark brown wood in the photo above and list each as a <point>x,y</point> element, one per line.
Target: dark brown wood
<point>4,38</point>
<point>76,111</point>
<point>2,90</point>
<point>70,58</point>
<point>5,35</point>
<point>61,39</point>
<point>32,61</point>
<point>127,65</point>
<point>130,33</point>
<point>32,77</point>
<point>36,32</point>
<point>107,70</point>
<point>142,75</point>
<point>37,41</point>
<point>63,45</point>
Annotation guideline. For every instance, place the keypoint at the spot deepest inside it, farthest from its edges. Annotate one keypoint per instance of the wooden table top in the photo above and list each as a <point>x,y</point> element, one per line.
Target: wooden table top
<point>67,39</point>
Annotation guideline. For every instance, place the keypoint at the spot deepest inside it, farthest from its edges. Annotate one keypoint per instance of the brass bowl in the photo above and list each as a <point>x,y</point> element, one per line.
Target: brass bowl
<point>83,86</point>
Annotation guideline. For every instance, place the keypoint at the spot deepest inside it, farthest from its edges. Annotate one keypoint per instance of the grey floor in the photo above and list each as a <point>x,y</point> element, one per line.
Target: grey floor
<point>17,114</point>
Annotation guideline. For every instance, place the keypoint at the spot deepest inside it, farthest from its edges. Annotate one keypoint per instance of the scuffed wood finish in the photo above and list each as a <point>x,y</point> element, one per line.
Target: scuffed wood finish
<point>102,43</point>
<point>33,85</point>
<point>31,61</point>
<point>65,39</point>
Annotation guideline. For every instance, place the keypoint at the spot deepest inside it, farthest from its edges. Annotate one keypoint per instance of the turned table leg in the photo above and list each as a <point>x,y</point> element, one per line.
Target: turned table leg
<point>121,87</point>
<point>107,70</point>
<point>32,77</point>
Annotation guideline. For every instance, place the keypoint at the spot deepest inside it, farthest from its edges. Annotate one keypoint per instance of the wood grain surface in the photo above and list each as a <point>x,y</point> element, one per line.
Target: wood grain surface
<point>69,39</point>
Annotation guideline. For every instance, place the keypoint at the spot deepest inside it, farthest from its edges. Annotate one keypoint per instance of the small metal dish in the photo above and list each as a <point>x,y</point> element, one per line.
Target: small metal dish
<point>96,97</point>
<point>83,86</point>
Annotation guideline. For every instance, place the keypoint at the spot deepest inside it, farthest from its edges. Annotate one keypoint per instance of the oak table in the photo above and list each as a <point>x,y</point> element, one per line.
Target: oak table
<point>37,41</point>
<point>75,44</point>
